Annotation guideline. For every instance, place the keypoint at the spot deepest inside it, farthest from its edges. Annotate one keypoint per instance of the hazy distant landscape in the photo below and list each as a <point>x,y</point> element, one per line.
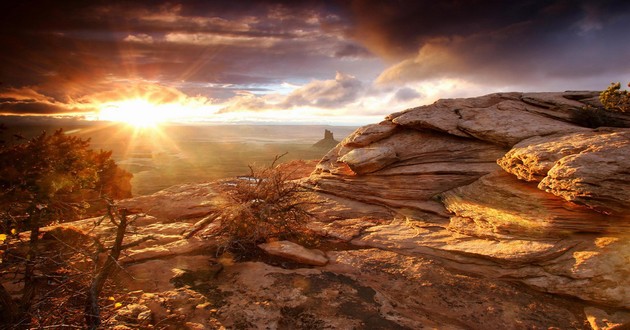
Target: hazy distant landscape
<point>179,154</point>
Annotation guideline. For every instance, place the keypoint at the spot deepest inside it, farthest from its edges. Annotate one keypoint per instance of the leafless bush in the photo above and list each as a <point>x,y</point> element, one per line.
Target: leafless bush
<point>263,205</point>
<point>72,270</point>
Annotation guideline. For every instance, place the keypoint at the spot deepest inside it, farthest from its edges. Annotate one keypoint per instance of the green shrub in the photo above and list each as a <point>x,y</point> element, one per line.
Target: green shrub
<point>615,99</point>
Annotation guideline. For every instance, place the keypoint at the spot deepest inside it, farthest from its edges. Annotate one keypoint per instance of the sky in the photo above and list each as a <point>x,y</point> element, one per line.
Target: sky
<point>322,62</point>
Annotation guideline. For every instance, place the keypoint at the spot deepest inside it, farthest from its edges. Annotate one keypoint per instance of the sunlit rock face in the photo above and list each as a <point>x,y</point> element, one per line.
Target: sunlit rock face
<point>405,169</point>
<point>507,185</point>
<point>497,211</point>
<point>590,168</point>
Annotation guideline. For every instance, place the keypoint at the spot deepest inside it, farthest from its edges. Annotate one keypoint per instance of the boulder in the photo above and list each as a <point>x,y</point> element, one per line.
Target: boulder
<point>295,252</point>
<point>369,134</point>
<point>550,213</point>
<point>367,160</point>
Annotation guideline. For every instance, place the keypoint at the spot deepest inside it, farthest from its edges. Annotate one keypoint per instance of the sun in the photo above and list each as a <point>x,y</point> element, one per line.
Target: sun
<point>138,113</point>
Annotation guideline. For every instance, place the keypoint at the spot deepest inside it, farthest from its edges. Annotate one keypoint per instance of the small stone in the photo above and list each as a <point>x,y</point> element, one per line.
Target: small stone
<point>295,252</point>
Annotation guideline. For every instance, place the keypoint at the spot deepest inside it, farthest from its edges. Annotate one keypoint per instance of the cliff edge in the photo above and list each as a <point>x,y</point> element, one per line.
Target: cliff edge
<point>507,185</point>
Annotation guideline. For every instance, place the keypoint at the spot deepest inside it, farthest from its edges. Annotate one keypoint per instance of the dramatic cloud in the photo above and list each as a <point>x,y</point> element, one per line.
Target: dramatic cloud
<point>27,101</point>
<point>327,93</point>
<point>266,56</point>
<point>516,43</point>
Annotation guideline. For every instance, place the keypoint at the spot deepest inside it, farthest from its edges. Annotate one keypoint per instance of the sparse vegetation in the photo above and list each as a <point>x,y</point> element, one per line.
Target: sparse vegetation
<point>614,102</point>
<point>615,99</point>
<point>264,205</point>
<point>50,179</point>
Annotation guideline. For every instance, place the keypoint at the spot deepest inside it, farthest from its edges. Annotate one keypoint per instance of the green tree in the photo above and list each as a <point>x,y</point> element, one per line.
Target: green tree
<point>49,179</point>
<point>615,99</point>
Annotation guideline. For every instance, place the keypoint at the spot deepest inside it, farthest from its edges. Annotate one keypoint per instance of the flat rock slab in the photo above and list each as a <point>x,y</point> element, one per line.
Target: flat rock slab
<point>295,252</point>
<point>501,118</point>
<point>419,292</point>
<point>176,202</point>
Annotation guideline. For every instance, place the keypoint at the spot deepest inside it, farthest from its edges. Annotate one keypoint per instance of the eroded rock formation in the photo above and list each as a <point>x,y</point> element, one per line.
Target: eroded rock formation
<point>496,211</point>
<point>523,185</point>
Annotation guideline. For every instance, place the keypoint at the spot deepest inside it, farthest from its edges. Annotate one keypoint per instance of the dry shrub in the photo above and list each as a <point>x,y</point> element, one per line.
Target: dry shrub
<point>264,205</point>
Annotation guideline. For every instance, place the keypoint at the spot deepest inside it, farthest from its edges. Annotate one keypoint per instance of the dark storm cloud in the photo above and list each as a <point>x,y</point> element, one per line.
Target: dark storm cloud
<point>69,49</point>
<point>33,107</point>
<point>29,101</point>
<point>495,41</point>
<point>352,51</point>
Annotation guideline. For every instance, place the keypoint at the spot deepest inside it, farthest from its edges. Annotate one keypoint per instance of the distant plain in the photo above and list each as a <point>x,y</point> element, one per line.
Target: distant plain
<point>175,154</point>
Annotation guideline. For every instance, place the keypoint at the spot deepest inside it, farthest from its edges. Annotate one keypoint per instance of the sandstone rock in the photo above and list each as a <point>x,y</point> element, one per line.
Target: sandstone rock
<point>367,160</point>
<point>369,134</point>
<point>599,180</point>
<point>600,320</point>
<point>418,292</point>
<point>445,114</point>
<point>498,203</point>
<point>259,296</point>
<point>327,208</point>
<point>428,163</point>
<point>295,252</point>
<point>418,237</point>
<point>510,124</point>
<point>134,314</point>
<point>502,118</point>
<point>180,246</point>
<point>156,275</point>
<point>344,230</point>
<point>594,270</point>
<point>181,201</point>
<point>585,168</point>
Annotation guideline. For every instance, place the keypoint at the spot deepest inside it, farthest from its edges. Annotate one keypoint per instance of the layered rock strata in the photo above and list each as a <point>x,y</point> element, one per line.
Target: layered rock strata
<point>511,183</point>
<point>496,211</point>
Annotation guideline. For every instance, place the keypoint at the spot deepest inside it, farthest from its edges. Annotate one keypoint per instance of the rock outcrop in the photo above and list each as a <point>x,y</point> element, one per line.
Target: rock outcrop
<point>496,211</point>
<point>327,142</point>
<point>591,169</point>
<point>508,182</point>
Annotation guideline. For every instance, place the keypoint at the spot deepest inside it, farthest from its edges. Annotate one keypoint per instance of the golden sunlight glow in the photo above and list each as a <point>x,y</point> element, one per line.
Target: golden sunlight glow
<point>137,112</point>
